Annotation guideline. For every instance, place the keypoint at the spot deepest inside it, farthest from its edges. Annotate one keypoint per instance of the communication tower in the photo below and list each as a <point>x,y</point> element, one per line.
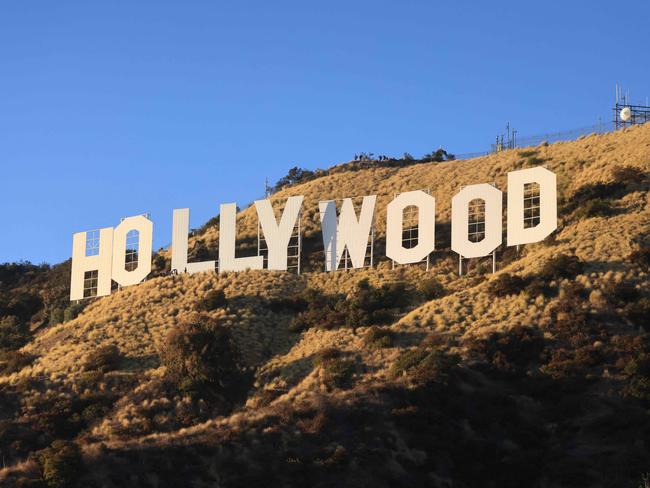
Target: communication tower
<point>626,113</point>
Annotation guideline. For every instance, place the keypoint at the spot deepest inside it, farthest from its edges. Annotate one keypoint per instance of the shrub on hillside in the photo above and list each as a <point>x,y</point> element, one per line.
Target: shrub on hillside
<point>571,362</point>
<point>621,293</point>
<point>200,356</point>
<point>322,318</point>
<point>325,355</point>
<point>320,310</point>
<point>73,310</point>
<point>103,359</point>
<point>506,284</point>
<point>389,295</point>
<point>61,464</point>
<point>14,333</point>
<point>425,365</point>
<point>213,300</point>
<point>295,176</point>
<point>378,337</point>
<point>58,416</point>
<point>511,351</point>
<point>14,361</point>
<point>430,289</point>
<point>22,304</point>
<point>337,370</point>
<point>366,305</point>
<point>561,266</point>
<point>637,372</point>
<point>437,156</point>
<point>56,316</point>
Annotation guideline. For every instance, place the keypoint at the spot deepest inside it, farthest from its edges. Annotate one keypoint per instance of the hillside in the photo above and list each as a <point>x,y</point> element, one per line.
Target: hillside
<point>539,375</point>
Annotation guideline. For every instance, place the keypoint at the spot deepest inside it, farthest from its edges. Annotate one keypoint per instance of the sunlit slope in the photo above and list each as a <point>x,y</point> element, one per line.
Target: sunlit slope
<point>576,163</point>
<point>137,318</point>
<point>588,323</point>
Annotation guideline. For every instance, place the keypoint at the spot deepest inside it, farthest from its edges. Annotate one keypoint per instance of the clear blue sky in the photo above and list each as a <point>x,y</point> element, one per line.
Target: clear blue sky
<point>116,108</point>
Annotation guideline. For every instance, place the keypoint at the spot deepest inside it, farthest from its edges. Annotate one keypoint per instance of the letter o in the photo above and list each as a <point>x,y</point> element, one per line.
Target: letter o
<point>460,242</point>
<point>426,205</point>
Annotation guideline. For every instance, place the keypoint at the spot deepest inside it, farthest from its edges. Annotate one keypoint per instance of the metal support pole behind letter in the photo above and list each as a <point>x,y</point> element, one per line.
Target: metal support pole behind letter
<point>372,244</point>
<point>299,240</point>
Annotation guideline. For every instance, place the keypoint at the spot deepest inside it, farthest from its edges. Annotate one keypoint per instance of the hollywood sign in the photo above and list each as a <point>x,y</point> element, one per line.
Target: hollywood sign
<point>103,256</point>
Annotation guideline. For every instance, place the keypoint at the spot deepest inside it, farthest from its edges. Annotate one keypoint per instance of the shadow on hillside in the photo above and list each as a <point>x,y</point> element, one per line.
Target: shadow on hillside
<point>133,364</point>
<point>291,373</point>
<point>539,432</point>
<point>408,339</point>
<point>604,266</point>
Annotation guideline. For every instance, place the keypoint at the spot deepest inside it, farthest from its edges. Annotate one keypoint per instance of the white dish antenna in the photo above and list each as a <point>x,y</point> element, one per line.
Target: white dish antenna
<point>626,114</point>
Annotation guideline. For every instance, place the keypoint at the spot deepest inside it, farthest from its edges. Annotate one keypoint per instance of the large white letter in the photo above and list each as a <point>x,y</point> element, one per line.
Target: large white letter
<point>144,228</point>
<point>227,231</point>
<point>349,232</point>
<point>460,242</point>
<point>180,229</point>
<point>426,206</point>
<point>518,233</point>
<point>91,264</point>
<point>278,236</point>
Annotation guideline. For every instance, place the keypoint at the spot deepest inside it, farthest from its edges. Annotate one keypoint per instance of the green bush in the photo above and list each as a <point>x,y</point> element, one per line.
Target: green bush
<point>14,333</point>
<point>637,372</point>
<point>319,310</point>
<point>213,300</point>
<point>425,365</point>
<point>511,351</point>
<point>293,177</point>
<point>561,266</point>
<point>103,359</point>
<point>389,295</point>
<point>200,356</point>
<point>378,337</point>
<point>56,416</point>
<point>161,264</point>
<point>323,318</point>
<point>506,284</point>
<point>60,464</point>
<point>338,371</point>
<point>23,305</point>
<point>366,305</point>
<point>56,316</point>
<point>430,289</point>
<point>73,310</point>
<point>571,362</point>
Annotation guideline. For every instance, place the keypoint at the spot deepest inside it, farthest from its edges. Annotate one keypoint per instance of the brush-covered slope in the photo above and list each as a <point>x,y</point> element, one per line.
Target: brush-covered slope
<point>535,376</point>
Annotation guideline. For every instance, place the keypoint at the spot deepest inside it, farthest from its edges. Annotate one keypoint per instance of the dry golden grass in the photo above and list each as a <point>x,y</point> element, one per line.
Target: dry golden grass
<point>576,163</point>
<point>136,319</point>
